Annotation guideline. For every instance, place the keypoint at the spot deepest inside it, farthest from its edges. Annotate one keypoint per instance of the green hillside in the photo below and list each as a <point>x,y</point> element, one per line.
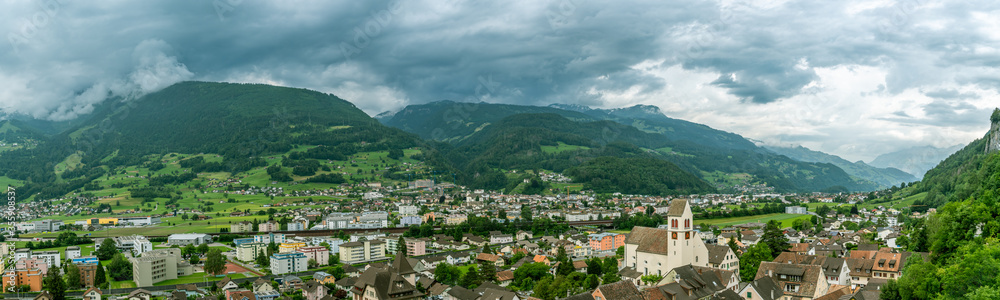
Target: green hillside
<point>242,123</point>
<point>696,148</point>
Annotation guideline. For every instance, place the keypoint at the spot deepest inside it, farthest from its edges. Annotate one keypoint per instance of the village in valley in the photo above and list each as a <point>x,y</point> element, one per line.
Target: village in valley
<point>437,240</point>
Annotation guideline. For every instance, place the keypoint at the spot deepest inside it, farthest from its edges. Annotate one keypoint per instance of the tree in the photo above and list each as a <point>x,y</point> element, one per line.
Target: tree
<point>189,250</point>
<point>610,265</point>
<point>100,278</point>
<point>215,264</point>
<point>55,285</point>
<point>594,267</point>
<point>487,271</point>
<point>263,260</point>
<point>73,276</point>
<point>733,246</point>
<point>774,237</point>
<point>592,281</point>
<point>471,279</point>
<point>312,264</point>
<point>543,289</point>
<point>107,250</point>
<point>486,248</point>
<point>620,251</point>
<point>651,278</point>
<point>194,259</point>
<point>526,213</point>
<point>751,259</point>
<point>610,278</point>
<point>120,268</point>
<point>446,273</point>
<point>203,248</point>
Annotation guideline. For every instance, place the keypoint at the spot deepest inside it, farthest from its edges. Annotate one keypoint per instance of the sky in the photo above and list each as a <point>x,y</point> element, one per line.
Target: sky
<point>851,78</point>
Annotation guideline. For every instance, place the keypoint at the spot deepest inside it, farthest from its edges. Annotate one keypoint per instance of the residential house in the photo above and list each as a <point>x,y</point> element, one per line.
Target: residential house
<point>888,265</point>
<point>686,283</point>
<point>314,290</point>
<point>324,277</point>
<point>395,281</point>
<point>240,295</point>
<point>795,280</point>
<point>722,257</point>
<point>139,294</point>
<point>92,293</point>
<point>861,271</point>
<point>264,291</point>
<point>226,284</point>
<point>622,290</point>
<point>764,288</point>
<point>494,259</point>
<point>836,271</point>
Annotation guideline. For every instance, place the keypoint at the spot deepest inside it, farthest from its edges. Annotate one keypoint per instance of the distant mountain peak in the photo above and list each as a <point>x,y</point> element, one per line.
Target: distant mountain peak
<point>571,107</point>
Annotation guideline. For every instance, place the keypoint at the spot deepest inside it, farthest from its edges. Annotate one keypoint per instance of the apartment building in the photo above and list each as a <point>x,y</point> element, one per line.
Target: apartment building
<point>283,263</point>
<point>415,247</point>
<point>319,253</point>
<point>23,277</point>
<point>241,227</point>
<point>268,226</point>
<point>289,247</point>
<point>249,251</point>
<point>155,266</point>
<point>355,252</point>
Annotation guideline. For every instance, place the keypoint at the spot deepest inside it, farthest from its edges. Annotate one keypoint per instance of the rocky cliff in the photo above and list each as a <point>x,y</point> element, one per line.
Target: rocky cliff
<point>993,137</point>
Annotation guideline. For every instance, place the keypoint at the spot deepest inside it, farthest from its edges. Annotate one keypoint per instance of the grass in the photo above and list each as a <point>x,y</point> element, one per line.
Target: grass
<point>562,147</point>
<point>785,219</point>
<point>197,277</point>
<point>6,181</point>
<point>85,249</point>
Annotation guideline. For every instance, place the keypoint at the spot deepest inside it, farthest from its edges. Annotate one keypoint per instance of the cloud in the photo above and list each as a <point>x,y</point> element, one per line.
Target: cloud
<point>852,77</point>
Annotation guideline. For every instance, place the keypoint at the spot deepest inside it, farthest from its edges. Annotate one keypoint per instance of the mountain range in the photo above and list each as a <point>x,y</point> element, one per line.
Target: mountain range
<point>496,146</point>
<point>916,160</point>
<point>713,155</point>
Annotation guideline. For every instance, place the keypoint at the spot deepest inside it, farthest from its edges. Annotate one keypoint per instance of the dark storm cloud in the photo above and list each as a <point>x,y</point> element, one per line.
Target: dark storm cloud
<point>63,57</point>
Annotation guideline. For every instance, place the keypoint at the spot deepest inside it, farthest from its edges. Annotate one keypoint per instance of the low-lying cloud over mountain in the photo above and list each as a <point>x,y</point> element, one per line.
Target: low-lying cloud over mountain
<point>852,78</point>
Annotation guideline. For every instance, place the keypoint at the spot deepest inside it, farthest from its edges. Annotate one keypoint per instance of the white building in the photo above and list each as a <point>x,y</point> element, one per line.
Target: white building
<point>277,238</point>
<point>182,239</point>
<point>135,243</point>
<point>408,209</point>
<point>410,220</point>
<point>657,251</point>
<point>282,263</point>
<point>52,258</point>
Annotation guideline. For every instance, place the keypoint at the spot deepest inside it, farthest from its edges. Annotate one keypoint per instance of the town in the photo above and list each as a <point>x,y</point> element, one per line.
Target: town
<point>443,241</point>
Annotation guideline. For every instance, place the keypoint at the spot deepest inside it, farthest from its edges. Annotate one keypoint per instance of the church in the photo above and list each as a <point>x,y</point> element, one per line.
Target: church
<point>659,250</point>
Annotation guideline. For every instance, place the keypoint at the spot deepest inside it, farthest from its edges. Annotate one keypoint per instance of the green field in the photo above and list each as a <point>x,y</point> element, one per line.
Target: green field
<point>197,277</point>
<point>5,181</point>
<point>785,219</point>
<point>561,147</point>
<point>85,249</point>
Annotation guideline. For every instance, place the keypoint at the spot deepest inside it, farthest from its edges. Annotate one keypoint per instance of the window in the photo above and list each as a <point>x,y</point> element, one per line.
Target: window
<point>749,295</point>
